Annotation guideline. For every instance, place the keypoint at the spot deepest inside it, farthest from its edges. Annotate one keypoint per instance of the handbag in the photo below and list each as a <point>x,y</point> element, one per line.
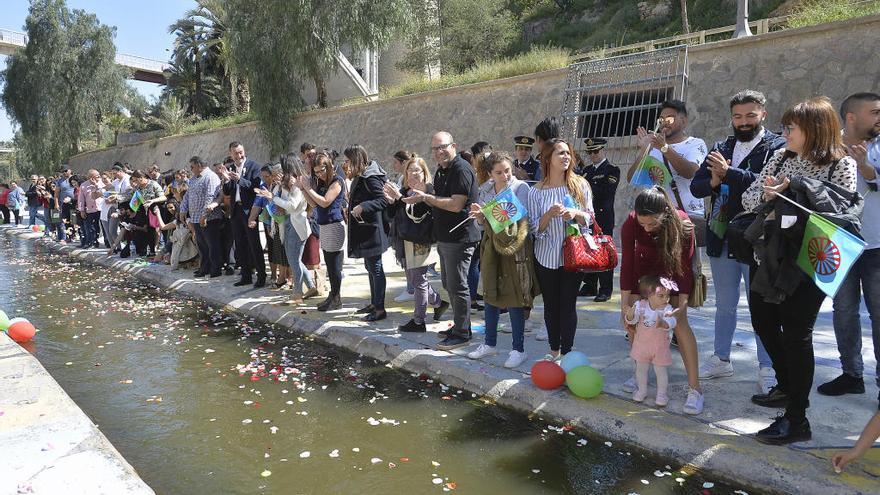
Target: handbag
<point>699,221</point>
<point>697,297</point>
<point>54,216</point>
<point>581,255</point>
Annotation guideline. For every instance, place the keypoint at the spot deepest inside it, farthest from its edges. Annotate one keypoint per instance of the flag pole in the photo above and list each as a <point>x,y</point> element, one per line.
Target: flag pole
<point>647,149</point>
<point>802,207</point>
<point>462,223</point>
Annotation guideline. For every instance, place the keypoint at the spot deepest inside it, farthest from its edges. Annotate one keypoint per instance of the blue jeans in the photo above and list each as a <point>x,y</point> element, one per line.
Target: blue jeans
<point>517,324</point>
<point>293,248</point>
<point>864,276</point>
<point>34,214</point>
<point>376,274</point>
<point>726,276</point>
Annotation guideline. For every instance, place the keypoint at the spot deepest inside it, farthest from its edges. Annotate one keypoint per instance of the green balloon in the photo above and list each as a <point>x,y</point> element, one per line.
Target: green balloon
<point>584,381</point>
<point>4,321</point>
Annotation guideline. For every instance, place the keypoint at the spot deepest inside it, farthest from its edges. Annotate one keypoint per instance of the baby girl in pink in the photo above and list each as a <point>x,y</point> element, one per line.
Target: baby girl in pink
<point>653,317</point>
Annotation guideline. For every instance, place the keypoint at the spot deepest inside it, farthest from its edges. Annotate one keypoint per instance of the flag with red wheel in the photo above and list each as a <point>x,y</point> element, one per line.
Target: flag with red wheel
<point>827,253</point>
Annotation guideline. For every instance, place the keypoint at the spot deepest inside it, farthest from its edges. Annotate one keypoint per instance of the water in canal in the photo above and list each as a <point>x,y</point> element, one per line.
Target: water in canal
<point>199,400</point>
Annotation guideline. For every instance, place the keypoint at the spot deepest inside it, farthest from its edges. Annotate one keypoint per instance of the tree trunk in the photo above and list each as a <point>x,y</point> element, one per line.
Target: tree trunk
<point>321,88</point>
<point>243,95</point>
<point>685,25</point>
<point>198,109</point>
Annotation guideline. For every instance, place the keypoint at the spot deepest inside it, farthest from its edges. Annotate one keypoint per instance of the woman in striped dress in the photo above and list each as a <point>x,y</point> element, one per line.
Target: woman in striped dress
<point>560,198</point>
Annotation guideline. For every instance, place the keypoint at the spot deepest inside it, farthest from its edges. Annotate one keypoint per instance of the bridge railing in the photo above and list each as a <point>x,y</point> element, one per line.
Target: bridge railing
<point>13,37</point>
<point>141,63</point>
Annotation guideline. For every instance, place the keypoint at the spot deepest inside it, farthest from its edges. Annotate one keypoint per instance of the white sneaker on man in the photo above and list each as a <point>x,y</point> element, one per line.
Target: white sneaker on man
<point>482,351</point>
<point>542,334</point>
<point>629,386</point>
<point>514,359</point>
<point>766,379</point>
<point>715,368</point>
<point>404,297</point>
<point>694,403</point>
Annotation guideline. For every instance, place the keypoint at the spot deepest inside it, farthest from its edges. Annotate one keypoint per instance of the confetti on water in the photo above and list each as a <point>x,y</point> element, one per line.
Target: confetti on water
<point>608,444</point>
<point>305,454</point>
<point>334,453</point>
<point>707,485</point>
<point>437,481</point>
<point>375,460</point>
<point>266,473</point>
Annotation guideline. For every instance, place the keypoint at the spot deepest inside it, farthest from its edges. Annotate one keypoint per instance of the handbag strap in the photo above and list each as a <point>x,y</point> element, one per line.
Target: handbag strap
<point>674,184</point>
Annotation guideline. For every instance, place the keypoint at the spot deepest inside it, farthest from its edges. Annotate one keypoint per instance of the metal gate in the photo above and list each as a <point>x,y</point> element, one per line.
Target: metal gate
<point>609,98</point>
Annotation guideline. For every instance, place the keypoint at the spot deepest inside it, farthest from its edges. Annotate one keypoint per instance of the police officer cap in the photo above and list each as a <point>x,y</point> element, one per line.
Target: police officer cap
<point>595,144</point>
<point>524,141</point>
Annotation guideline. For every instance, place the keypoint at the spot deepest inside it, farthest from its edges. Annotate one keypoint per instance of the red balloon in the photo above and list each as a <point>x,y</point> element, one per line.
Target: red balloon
<point>21,331</point>
<point>35,228</point>
<point>547,375</point>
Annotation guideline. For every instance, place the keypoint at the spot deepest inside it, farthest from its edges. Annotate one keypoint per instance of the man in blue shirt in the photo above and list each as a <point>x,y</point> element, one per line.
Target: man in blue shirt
<point>861,134</point>
<point>64,200</point>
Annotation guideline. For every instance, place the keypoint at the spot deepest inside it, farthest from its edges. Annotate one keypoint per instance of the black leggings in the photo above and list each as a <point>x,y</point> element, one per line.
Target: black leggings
<point>5,212</point>
<point>559,289</point>
<point>334,270</point>
<point>17,213</point>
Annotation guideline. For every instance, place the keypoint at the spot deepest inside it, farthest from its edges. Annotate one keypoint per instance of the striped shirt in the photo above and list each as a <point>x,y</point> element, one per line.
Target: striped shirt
<point>548,244</point>
<point>201,191</point>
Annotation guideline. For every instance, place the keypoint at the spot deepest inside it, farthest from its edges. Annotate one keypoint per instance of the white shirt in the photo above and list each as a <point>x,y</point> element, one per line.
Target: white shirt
<point>241,172</point>
<point>693,150</point>
<point>121,185</point>
<point>742,150</point>
<point>871,211</point>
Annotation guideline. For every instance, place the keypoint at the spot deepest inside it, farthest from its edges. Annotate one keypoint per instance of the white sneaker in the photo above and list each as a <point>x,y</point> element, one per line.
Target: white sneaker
<point>404,297</point>
<point>514,359</point>
<point>629,386</point>
<point>542,334</point>
<point>766,379</point>
<point>482,351</point>
<point>715,368</point>
<point>694,403</point>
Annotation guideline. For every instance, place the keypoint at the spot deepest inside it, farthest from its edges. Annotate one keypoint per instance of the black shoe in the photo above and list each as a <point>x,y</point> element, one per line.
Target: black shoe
<point>673,342</point>
<point>439,310</point>
<point>243,282</point>
<point>229,270</point>
<point>366,310</point>
<point>261,282</point>
<point>602,298</point>
<point>412,327</point>
<point>475,305</point>
<point>332,302</point>
<point>376,315</point>
<point>453,341</point>
<point>478,297</point>
<point>452,331</point>
<point>587,291</point>
<point>125,253</point>
<point>776,398</point>
<point>199,273</point>
<point>215,275</point>
<point>783,431</point>
<point>843,384</point>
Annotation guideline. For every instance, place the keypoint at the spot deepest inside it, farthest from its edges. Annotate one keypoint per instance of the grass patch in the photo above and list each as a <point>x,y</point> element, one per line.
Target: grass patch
<point>536,60</point>
<point>819,12</point>
<point>216,123</point>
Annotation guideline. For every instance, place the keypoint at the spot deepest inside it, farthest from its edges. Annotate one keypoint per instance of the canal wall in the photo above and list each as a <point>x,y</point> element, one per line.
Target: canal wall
<point>709,446</point>
<point>48,445</point>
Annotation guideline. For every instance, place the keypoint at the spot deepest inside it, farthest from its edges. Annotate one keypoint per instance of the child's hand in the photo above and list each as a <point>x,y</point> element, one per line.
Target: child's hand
<point>841,459</point>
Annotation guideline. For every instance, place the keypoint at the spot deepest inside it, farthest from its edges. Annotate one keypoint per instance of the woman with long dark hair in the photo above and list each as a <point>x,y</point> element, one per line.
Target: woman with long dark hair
<point>658,239</point>
<point>327,197</point>
<point>814,150</point>
<point>296,229</point>
<point>560,198</point>
<point>367,238</point>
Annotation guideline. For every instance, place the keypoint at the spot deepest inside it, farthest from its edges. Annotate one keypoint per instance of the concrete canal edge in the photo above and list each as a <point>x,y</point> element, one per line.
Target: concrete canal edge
<point>715,451</point>
<point>47,443</point>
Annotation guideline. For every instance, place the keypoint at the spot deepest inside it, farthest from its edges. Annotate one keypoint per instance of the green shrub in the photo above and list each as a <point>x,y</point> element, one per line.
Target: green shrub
<point>216,123</point>
<point>536,60</point>
<point>822,11</point>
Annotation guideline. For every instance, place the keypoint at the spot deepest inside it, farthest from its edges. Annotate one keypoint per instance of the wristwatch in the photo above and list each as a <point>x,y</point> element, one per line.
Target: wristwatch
<point>664,148</point>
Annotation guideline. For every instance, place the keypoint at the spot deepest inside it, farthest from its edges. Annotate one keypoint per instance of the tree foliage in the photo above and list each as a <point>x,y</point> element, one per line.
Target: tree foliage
<point>279,44</point>
<point>62,84</point>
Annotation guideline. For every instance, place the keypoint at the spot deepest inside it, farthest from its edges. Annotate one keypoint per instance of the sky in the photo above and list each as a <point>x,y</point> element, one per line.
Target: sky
<point>141,29</point>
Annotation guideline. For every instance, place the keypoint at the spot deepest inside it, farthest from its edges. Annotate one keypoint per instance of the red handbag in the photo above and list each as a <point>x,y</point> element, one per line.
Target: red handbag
<point>579,256</point>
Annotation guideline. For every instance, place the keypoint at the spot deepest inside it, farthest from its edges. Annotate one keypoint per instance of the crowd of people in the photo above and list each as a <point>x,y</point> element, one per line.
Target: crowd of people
<point>319,205</point>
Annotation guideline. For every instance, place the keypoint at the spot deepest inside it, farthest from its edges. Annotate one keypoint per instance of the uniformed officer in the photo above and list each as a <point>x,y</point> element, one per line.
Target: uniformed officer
<point>603,178</point>
<point>525,166</point>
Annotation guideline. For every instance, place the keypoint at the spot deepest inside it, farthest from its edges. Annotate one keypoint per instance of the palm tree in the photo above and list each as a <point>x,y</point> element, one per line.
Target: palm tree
<point>685,25</point>
<point>171,116</point>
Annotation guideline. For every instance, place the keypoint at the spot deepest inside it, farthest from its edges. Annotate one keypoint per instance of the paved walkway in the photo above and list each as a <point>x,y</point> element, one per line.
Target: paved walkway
<point>716,441</point>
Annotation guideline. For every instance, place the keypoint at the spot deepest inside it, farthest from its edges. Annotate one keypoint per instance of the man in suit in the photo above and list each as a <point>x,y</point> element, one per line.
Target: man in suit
<point>248,247</point>
<point>525,166</point>
<point>603,178</point>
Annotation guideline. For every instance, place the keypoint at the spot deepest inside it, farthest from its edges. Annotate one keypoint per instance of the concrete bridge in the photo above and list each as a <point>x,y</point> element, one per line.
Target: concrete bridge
<point>143,69</point>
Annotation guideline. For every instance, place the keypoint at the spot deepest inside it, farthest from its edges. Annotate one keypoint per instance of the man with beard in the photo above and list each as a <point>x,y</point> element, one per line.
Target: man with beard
<point>729,169</point>
<point>861,127</point>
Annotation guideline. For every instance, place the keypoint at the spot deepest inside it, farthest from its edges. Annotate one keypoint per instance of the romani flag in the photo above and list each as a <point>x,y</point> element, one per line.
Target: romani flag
<point>827,253</point>
<point>504,210</point>
<point>136,201</point>
<point>651,172</point>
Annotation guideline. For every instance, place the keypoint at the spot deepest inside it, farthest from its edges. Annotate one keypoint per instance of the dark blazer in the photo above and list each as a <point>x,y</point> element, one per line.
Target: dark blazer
<point>737,179</point>
<point>250,178</point>
<point>367,238</point>
<point>603,180</point>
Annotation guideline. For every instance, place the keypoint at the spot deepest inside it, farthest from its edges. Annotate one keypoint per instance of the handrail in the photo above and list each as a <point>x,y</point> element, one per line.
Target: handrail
<point>760,26</point>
